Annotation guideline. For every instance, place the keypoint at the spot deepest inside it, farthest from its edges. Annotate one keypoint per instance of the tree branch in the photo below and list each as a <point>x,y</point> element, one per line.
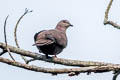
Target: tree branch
<point>16,26</point>
<point>15,32</point>
<point>6,40</point>
<point>106,17</point>
<point>94,69</point>
<point>116,74</point>
<point>106,21</point>
<point>3,51</point>
<point>61,61</point>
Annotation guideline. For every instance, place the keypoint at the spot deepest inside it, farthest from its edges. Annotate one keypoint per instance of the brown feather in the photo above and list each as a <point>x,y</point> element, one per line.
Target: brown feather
<point>52,42</point>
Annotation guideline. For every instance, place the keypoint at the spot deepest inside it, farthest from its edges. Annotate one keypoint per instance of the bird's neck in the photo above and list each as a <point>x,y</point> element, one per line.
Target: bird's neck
<point>63,29</point>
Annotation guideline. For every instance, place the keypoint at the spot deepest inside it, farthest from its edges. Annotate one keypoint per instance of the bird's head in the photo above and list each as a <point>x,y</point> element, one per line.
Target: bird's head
<point>64,24</point>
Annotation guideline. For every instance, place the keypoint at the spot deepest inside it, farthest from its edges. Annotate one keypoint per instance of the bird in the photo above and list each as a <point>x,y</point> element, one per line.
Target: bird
<point>53,41</point>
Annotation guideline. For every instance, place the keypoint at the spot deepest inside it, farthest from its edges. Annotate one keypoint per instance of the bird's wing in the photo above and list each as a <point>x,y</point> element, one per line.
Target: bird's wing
<point>42,42</point>
<point>43,38</point>
<point>35,36</point>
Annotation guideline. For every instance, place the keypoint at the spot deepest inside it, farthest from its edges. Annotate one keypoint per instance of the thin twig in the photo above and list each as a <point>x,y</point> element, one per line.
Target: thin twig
<point>116,74</point>
<point>107,11</point>
<point>106,21</point>
<point>15,32</point>
<point>28,61</point>
<point>6,38</point>
<point>4,51</point>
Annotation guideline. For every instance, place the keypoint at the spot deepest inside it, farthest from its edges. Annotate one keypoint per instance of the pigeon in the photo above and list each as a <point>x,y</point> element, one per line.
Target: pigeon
<point>53,41</point>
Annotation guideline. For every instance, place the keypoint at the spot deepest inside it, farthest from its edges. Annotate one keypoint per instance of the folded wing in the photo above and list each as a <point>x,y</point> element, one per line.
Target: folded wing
<point>43,38</point>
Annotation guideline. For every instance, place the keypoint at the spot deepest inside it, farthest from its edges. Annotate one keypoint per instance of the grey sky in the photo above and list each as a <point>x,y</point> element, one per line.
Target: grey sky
<point>88,40</point>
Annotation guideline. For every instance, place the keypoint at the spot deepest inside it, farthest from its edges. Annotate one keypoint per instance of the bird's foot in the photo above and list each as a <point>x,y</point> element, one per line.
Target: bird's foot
<point>48,57</point>
<point>54,56</point>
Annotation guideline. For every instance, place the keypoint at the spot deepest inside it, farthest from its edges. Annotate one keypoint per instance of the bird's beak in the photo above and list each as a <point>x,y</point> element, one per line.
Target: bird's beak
<point>71,25</point>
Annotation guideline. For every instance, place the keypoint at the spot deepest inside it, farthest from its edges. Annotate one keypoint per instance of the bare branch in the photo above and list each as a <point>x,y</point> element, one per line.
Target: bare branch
<point>113,24</point>
<point>28,61</point>
<point>117,72</point>
<point>15,31</point>
<point>106,21</point>
<point>4,51</point>
<point>107,11</point>
<point>61,61</point>
<point>106,17</point>
<point>95,69</point>
<point>6,39</point>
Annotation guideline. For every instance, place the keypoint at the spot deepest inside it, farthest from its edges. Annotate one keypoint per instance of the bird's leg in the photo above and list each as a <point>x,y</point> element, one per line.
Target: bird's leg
<point>55,56</point>
<point>47,56</point>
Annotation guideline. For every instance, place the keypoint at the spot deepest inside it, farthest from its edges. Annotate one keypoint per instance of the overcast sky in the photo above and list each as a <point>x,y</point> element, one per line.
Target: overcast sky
<point>88,40</point>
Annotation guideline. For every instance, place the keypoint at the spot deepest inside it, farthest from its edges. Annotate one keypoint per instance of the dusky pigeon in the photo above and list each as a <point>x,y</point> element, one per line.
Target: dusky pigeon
<point>52,42</point>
